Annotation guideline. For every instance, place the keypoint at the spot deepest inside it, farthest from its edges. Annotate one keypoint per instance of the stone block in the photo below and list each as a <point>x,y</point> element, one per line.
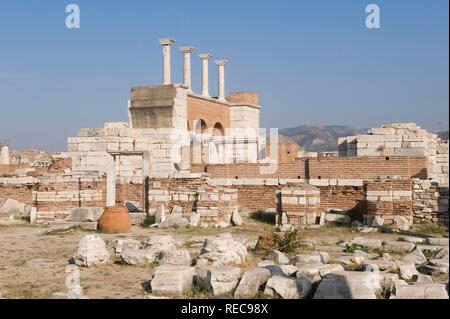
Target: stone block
<point>172,279</point>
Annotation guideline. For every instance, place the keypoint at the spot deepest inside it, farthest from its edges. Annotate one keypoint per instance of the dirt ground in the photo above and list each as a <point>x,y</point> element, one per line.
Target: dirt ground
<point>32,262</point>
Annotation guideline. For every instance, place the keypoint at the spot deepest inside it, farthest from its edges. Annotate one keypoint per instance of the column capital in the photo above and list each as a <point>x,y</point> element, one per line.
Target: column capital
<point>187,49</point>
<point>166,41</point>
<point>205,56</point>
<point>221,62</point>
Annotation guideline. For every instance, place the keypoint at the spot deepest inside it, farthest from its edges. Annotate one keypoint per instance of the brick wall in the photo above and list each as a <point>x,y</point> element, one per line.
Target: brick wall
<point>348,198</point>
<point>8,170</point>
<point>325,167</point>
<point>20,192</point>
<point>55,195</point>
<point>300,204</point>
<point>387,198</point>
<point>131,192</point>
<point>209,111</point>
<point>213,203</point>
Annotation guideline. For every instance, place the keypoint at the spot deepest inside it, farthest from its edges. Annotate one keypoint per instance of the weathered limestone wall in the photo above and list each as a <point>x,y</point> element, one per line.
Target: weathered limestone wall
<point>259,194</point>
<point>213,203</point>
<point>387,198</point>
<point>301,204</point>
<point>403,139</point>
<point>430,202</point>
<point>162,106</point>
<point>244,116</point>
<point>137,152</point>
<point>55,195</point>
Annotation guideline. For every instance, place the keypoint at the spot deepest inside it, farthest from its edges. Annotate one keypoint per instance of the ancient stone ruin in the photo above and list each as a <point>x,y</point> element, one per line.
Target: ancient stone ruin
<point>189,160</point>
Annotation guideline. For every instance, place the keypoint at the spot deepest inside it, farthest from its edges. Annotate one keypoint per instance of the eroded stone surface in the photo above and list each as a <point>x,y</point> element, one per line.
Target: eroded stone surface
<point>222,250</point>
<point>251,281</point>
<point>218,279</point>
<point>288,288</point>
<point>91,251</point>
<point>172,279</point>
<point>348,285</point>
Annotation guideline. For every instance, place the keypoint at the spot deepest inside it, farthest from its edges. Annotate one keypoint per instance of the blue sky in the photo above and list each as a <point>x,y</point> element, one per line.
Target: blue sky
<point>313,61</point>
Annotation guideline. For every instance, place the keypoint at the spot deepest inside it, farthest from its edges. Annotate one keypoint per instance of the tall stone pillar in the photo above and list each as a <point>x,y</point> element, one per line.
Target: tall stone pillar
<point>166,43</point>
<point>187,51</point>
<point>221,90</point>
<point>205,73</point>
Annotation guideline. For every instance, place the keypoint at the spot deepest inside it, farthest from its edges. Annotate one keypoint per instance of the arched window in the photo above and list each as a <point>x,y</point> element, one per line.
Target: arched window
<point>200,127</point>
<point>218,130</point>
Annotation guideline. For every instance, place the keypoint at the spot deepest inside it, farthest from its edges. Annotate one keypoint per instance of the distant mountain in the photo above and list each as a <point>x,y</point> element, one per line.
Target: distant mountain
<point>319,138</point>
<point>443,135</point>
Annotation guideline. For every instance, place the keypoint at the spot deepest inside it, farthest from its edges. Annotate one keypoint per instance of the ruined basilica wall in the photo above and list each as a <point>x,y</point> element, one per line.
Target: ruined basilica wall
<point>138,152</point>
<point>403,139</point>
<point>324,168</point>
<point>209,110</point>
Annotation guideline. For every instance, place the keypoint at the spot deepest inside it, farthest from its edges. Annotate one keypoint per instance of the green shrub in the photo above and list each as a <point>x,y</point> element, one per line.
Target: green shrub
<point>148,221</point>
<point>354,247</point>
<point>289,243</point>
<point>429,253</point>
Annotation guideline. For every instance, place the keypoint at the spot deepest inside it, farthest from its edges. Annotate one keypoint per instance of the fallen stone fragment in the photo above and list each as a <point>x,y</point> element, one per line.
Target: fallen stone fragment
<point>172,279</point>
<point>85,214</point>
<point>407,270</point>
<point>175,257</point>
<point>413,239</point>
<point>136,257</point>
<point>160,215</point>
<point>120,245</point>
<point>222,250</point>
<point>279,257</point>
<point>282,270</point>
<point>377,222</point>
<point>251,282</point>
<point>310,272</point>
<point>329,268</point>
<point>442,253</point>
<point>381,264</point>
<point>420,291</point>
<point>288,288</point>
<point>236,219</point>
<point>416,256</point>
<point>264,263</point>
<point>358,259</point>
<point>91,251</point>
<point>348,285</point>
<point>438,241</point>
<point>399,246</point>
<point>315,258</point>
<point>132,206</point>
<point>441,263</point>
<point>421,278</point>
<point>401,223</point>
<point>432,270</point>
<point>161,242</point>
<point>369,242</point>
<point>194,220</point>
<point>218,279</point>
<point>388,279</point>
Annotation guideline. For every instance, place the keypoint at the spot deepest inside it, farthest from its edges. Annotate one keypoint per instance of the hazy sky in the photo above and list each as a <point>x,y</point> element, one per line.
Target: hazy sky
<point>313,61</point>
